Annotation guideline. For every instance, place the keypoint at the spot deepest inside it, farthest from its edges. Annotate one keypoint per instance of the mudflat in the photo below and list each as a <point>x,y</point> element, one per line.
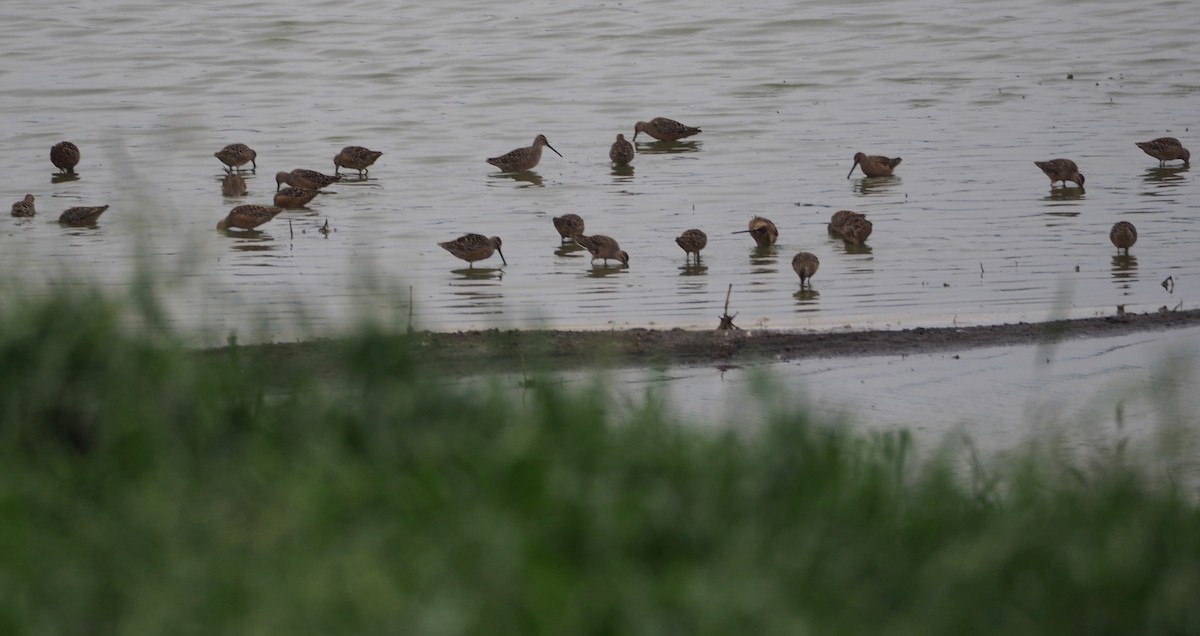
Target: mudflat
<point>471,352</point>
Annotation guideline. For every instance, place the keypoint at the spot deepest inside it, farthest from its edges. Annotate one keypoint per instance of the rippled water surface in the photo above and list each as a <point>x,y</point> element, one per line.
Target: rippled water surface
<point>968,93</point>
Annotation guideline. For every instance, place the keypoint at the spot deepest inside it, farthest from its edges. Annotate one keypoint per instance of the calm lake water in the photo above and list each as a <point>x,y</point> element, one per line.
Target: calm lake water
<point>968,93</point>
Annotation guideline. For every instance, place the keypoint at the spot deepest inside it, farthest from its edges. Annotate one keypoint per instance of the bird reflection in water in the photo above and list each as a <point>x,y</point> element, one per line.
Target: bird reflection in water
<point>479,273</point>
<point>622,174</point>
<point>668,147</point>
<point>604,271</point>
<point>867,186</point>
<point>1124,270</point>
<point>852,248</point>
<point>806,299</point>
<point>693,269</point>
<point>64,177</point>
<point>525,179</point>
<point>1167,175</point>
<point>570,249</point>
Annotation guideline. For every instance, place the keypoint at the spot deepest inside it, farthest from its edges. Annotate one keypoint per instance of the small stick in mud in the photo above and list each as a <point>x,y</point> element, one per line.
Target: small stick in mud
<point>726,319</point>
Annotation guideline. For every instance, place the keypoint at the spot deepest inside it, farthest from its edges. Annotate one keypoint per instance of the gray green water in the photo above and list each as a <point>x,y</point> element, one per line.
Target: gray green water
<point>968,93</point>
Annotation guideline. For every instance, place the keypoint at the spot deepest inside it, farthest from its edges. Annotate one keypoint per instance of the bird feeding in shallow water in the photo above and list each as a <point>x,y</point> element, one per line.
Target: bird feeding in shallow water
<point>621,152</point>
<point>474,247</point>
<point>65,156</point>
<point>1061,170</point>
<point>568,226</point>
<point>355,158</point>
<point>692,241</point>
<point>874,165</point>
<point>1123,235</point>
<point>237,155</point>
<point>856,231</point>
<point>248,217</point>
<point>603,247</point>
<point>24,207</point>
<point>1165,149</point>
<point>762,230</point>
<point>233,185</point>
<point>664,129</point>
<point>523,159</point>
<point>81,215</point>
<point>291,198</point>
<point>805,265</point>
<point>306,179</point>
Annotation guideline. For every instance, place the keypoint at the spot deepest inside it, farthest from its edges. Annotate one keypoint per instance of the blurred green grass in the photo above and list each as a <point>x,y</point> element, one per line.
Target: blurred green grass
<point>145,489</point>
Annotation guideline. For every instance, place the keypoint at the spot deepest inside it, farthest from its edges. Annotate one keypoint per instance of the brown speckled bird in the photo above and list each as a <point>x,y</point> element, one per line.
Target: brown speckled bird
<point>474,247</point>
<point>805,264</point>
<point>355,158</point>
<point>233,185</point>
<point>621,152</point>
<point>856,231</point>
<point>306,179</point>
<point>523,159</point>
<point>692,241</point>
<point>664,129</point>
<point>81,215</point>
<point>292,198</point>
<point>568,225</point>
<point>65,156</point>
<point>1061,170</point>
<point>1165,149</point>
<point>762,230</point>
<point>237,155</point>
<point>874,165</point>
<point>1123,235</point>
<point>24,207</point>
<point>603,247</point>
<point>841,218</point>
<point>248,217</point>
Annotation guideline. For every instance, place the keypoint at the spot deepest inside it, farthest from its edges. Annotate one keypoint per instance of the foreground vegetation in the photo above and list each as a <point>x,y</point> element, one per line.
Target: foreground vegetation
<point>145,489</point>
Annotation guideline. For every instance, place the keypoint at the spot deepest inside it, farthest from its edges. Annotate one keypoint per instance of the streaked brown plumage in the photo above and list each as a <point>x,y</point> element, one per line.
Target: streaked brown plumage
<point>805,265</point>
<point>603,247</point>
<point>474,247</point>
<point>621,152</point>
<point>355,158</point>
<point>306,179</point>
<point>24,207</point>
<point>292,198</point>
<point>65,156</point>
<point>523,159</point>
<point>1165,149</point>
<point>1123,235</point>
<point>81,216</point>
<point>874,165</point>
<point>1061,170</point>
<point>841,218</point>
<point>664,129</point>
<point>762,230</point>
<point>856,231</point>
<point>568,225</point>
<point>248,217</point>
<point>233,185</point>
<point>692,241</point>
<point>237,155</point>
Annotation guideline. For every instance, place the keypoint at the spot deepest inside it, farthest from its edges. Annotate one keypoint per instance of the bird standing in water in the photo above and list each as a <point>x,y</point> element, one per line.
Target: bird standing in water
<point>474,247</point>
<point>1061,170</point>
<point>664,129</point>
<point>523,159</point>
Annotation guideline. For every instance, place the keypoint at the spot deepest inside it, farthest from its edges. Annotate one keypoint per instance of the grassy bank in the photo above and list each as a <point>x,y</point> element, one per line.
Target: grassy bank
<point>148,490</point>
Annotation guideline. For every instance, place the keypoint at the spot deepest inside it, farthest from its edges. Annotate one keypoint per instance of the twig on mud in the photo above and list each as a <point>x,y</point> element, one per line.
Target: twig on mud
<point>726,319</point>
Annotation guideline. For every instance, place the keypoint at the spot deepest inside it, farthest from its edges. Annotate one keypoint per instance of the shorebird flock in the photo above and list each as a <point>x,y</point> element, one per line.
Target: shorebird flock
<point>304,185</point>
